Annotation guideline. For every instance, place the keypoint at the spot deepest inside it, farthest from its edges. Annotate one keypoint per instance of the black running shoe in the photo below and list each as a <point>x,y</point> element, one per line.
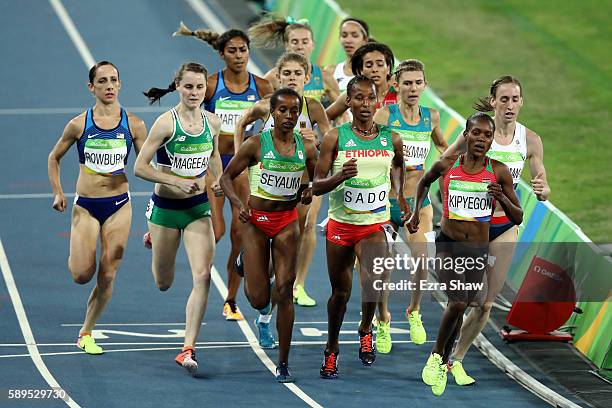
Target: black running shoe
<point>329,368</point>
<point>367,354</point>
<point>283,375</point>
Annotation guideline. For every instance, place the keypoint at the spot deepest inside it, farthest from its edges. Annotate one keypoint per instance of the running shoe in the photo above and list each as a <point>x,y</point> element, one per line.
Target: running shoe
<point>88,345</point>
<point>187,359</point>
<point>283,375</point>
<point>367,354</point>
<point>439,380</point>
<point>431,368</point>
<point>461,377</point>
<point>266,339</point>
<point>146,240</point>
<point>231,311</point>
<point>301,297</point>
<point>417,331</point>
<point>239,263</point>
<point>383,337</point>
<point>329,368</point>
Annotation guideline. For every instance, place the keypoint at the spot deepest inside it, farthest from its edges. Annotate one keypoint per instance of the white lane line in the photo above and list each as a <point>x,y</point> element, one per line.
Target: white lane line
<point>252,339</point>
<point>50,195</point>
<point>64,111</point>
<point>73,33</point>
<point>209,17</point>
<point>125,324</point>
<point>24,325</point>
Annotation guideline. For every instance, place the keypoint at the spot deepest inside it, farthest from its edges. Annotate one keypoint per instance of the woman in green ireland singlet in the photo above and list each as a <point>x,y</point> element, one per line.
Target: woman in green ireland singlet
<point>513,144</point>
<point>185,141</point>
<point>229,93</point>
<point>291,70</point>
<point>472,184</point>
<point>418,126</point>
<point>276,159</point>
<point>295,36</point>
<point>104,136</point>
<point>360,162</point>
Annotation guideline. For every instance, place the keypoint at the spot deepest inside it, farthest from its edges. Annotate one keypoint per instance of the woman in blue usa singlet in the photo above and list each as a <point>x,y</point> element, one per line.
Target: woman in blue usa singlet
<point>104,136</point>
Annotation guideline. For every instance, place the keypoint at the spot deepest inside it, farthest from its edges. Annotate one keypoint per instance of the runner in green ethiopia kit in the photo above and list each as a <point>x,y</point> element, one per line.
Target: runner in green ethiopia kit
<point>418,126</point>
<point>513,144</point>
<point>360,162</point>
<point>292,69</point>
<point>229,93</point>
<point>276,159</point>
<point>472,184</point>
<point>104,136</point>
<point>185,139</point>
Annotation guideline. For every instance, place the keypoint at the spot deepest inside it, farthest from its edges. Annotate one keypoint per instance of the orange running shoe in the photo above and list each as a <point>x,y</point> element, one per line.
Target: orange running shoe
<point>187,359</point>
<point>231,311</point>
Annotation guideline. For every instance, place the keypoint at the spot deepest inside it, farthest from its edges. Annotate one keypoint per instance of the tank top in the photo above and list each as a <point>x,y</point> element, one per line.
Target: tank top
<point>416,139</point>
<point>465,195</point>
<point>277,177</point>
<point>512,155</point>
<point>389,99</point>
<point>231,106</point>
<point>341,77</point>
<point>304,121</point>
<point>364,199</point>
<point>187,155</point>
<point>104,152</point>
<point>315,88</point>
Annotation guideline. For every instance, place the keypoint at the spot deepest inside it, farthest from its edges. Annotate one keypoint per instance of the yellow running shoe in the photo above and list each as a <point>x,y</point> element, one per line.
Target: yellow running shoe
<point>383,337</point>
<point>231,312</point>
<point>430,371</point>
<point>301,297</point>
<point>417,331</point>
<point>88,345</point>
<point>461,377</point>
<point>439,384</point>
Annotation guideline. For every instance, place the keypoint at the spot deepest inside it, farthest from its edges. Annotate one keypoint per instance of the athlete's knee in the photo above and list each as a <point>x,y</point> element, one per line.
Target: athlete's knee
<point>484,310</point>
<point>259,302</point>
<point>105,282</point>
<point>340,296</point>
<point>201,279</point>
<point>457,306</point>
<point>285,293</point>
<point>82,274</point>
<point>163,285</point>
<point>235,233</point>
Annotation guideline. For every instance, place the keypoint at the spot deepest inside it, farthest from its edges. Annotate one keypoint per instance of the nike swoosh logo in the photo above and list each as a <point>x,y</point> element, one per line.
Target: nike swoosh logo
<point>454,177</point>
<point>122,201</point>
<point>94,135</point>
<point>224,98</point>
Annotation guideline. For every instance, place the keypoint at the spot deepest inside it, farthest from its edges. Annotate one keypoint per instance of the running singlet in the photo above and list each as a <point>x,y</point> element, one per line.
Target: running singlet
<point>315,87</point>
<point>304,121</point>
<point>104,152</point>
<point>277,177</point>
<point>512,155</point>
<point>389,99</point>
<point>363,200</point>
<point>187,155</point>
<point>465,194</point>
<point>415,138</point>
<point>341,77</point>
<point>230,106</point>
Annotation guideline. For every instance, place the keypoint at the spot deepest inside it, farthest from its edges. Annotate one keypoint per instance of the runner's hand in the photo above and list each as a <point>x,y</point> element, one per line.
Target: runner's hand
<point>413,223</point>
<point>216,188</point>
<point>307,195</point>
<point>59,202</point>
<point>349,169</point>
<point>495,191</point>
<point>245,213</point>
<point>539,186</point>
<point>188,186</point>
<point>404,208</point>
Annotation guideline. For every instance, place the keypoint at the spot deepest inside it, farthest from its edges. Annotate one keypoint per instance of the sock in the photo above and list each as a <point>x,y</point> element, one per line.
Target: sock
<point>185,348</point>
<point>264,318</point>
<point>82,334</point>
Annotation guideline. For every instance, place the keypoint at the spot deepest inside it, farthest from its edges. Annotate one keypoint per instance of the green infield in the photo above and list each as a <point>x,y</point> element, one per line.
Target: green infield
<point>561,53</point>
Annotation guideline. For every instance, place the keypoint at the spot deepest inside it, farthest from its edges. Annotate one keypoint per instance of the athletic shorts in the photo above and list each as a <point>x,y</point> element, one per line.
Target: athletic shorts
<point>272,222</point>
<point>225,159</point>
<point>102,208</point>
<point>177,213</point>
<point>396,213</point>
<point>344,234</point>
<point>495,230</point>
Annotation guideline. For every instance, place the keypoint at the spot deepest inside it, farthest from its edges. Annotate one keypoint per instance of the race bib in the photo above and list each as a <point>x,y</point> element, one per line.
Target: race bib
<point>366,195</point>
<point>230,113</point>
<point>280,180</point>
<point>469,201</point>
<point>105,156</point>
<point>191,160</point>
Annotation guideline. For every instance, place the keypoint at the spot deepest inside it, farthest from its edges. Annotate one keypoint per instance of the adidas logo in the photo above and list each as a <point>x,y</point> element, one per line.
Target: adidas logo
<point>396,123</point>
<point>269,155</point>
<point>262,218</point>
<point>350,143</point>
<point>336,237</point>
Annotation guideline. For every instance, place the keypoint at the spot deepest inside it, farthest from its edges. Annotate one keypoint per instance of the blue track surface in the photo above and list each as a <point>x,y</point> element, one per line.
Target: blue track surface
<point>42,69</point>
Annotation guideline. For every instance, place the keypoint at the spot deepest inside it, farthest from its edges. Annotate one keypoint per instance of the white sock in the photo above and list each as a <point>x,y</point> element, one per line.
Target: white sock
<point>264,318</point>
